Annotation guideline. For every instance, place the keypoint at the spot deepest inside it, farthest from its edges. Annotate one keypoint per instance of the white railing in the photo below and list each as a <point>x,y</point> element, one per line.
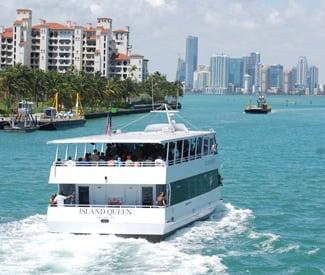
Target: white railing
<point>108,206</point>
<point>109,163</point>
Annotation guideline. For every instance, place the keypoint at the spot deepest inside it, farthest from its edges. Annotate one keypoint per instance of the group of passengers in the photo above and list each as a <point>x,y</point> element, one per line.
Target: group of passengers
<point>121,155</point>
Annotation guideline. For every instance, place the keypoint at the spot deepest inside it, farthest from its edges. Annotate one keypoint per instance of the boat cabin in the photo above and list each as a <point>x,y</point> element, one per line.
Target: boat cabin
<point>126,168</point>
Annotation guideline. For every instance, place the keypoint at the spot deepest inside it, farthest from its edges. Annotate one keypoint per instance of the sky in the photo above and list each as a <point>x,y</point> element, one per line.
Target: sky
<point>281,30</point>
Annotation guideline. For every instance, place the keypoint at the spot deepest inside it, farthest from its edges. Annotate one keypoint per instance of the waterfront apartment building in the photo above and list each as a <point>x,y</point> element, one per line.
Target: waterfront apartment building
<point>251,67</point>
<point>219,64</point>
<point>302,73</point>
<point>313,80</point>
<point>191,60</point>
<point>181,70</point>
<point>56,46</point>
<point>236,72</point>
<point>201,82</point>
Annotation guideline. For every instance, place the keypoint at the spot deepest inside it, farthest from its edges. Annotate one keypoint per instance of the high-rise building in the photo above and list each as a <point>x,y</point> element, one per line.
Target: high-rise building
<point>201,78</point>
<point>236,72</point>
<point>247,84</point>
<point>275,79</point>
<point>313,80</point>
<point>302,72</point>
<point>290,80</point>
<point>56,46</point>
<point>191,60</point>
<point>251,67</point>
<point>181,69</point>
<point>219,64</point>
<point>264,78</point>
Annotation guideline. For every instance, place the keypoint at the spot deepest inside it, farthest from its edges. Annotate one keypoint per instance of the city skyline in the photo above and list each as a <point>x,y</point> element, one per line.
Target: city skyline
<point>232,27</point>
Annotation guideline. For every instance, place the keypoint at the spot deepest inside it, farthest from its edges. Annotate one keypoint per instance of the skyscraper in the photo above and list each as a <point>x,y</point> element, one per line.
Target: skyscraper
<point>264,78</point>
<point>181,67</point>
<point>201,78</point>
<point>191,60</point>
<point>313,80</point>
<point>302,71</point>
<point>219,73</point>
<point>290,80</point>
<point>236,72</point>
<point>251,66</point>
<point>247,84</point>
<point>275,78</point>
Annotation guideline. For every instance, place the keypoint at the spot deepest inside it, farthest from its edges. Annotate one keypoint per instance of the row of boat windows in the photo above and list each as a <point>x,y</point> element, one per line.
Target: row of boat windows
<point>192,187</point>
<point>138,153</point>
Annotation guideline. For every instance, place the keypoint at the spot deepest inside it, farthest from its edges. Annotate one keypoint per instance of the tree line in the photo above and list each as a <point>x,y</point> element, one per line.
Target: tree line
<point>96,92</point>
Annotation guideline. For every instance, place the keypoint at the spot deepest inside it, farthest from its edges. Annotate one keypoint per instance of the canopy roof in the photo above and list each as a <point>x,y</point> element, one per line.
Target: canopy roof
<point>135,137</point>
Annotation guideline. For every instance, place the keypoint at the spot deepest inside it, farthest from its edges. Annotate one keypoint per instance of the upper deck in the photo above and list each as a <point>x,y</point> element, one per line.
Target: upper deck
<point>160,154</point>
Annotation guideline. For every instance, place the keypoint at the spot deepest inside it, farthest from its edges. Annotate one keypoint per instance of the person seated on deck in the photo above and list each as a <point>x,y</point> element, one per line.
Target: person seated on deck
<point>148,162</point>
<point>51,201</point>
<point>128,161</point>
<point>59,162</point>
<point>159,161</point>
<point>118,161</point>
<point>114,201</point>
<point>111,162</point>
<point>70,162</point>
<point>95,156</point>
<point>59,199</point>
<point>82,161</point>
<point>161,199</point>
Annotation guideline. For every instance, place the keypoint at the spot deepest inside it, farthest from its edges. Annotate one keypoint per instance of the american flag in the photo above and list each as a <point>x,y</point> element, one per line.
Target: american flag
<point>109,124</point>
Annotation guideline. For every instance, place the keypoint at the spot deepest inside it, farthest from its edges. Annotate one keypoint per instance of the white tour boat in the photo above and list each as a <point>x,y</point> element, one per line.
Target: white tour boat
<point>115,187</point>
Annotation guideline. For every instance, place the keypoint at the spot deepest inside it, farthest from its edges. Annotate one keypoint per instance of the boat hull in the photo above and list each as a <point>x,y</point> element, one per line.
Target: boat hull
<point>61,124</point>
<point>257,111</point>
<point>153,224</point>
<point>20,129</point>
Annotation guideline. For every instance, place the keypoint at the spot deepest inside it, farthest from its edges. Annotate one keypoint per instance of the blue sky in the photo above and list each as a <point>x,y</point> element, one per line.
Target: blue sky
<point>280,30</point>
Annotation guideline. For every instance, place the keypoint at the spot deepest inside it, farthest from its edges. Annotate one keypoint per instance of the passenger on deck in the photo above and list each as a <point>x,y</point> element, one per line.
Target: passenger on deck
<point>51,201</point>
<point>161,199</point>
<point>59,162</point>
<point>148,162</point>
<point>95,156</point>
<point>128,161</point>
<point>159,161</point>
<point>59,199</point>
<point>118,161</point>
<point>70,162</point>
<point>111,162</point>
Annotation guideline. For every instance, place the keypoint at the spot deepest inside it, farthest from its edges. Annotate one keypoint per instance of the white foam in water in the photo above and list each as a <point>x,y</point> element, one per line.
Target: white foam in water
<point>27,248</point>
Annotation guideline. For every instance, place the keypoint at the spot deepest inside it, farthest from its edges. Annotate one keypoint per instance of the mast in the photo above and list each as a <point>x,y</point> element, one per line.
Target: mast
<point>152,102</point>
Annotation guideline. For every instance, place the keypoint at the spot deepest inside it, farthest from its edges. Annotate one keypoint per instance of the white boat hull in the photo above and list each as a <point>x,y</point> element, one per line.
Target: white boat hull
<point>151,223</point>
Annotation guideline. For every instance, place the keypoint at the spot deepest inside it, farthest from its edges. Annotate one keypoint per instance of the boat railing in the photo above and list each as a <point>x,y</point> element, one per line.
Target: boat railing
<point>72,163</point>
<point>108,206</point>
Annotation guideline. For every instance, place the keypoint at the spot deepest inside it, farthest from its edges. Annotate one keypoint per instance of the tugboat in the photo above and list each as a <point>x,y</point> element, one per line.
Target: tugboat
<point>24,120</point>
<point>52,119</point>
<point>261,108</point>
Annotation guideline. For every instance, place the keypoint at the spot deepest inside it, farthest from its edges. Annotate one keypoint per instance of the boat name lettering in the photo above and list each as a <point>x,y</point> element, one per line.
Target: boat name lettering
<point>103,211</point>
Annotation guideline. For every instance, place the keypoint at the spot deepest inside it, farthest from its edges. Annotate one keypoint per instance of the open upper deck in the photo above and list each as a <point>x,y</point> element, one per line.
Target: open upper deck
<point>154,133</point>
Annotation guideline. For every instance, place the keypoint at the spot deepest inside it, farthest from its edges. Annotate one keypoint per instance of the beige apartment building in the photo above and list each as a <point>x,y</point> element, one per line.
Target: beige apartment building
<point>56,46</point>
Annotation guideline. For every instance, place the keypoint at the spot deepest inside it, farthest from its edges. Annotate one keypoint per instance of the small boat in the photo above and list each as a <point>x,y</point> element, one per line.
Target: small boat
<point>24,121</point>
<point>3,123</point>
<point>52,119</point>
<point>145,183</point>
<point>261,108</point>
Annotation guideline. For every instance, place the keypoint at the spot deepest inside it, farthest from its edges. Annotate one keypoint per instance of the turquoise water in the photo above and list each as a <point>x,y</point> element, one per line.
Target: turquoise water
<point>272,221</point>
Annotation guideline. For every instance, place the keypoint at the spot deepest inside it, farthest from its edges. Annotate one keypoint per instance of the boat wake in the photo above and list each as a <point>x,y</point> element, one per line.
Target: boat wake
<point>27,248</point>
